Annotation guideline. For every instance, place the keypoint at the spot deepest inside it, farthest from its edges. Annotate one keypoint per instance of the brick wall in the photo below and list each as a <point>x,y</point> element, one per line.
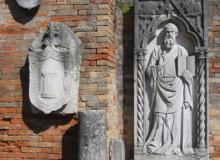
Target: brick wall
<point>214,78</point>
<point>24,135</point>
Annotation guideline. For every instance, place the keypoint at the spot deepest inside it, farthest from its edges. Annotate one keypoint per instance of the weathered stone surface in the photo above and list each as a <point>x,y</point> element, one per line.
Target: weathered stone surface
<point>54,59</point>
<point>117,150</point>
<point>167,109</point>
<point>28,4</point>
<point>162,157</point>
<point>92,141</point>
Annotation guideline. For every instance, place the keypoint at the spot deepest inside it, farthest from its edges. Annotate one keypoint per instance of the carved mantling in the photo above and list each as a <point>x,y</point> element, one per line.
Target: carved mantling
<point>54,64</point>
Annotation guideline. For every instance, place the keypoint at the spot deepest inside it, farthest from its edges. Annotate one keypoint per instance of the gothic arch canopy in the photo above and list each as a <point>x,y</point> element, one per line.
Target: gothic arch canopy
<point>163,19</point>
<point>149,14</point>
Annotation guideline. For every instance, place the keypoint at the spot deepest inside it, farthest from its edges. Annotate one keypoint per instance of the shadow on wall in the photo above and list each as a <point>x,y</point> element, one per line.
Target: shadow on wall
<point>128,82</point>
<point>70,143</point>
<point>21,15</point>
<point>41,122</point>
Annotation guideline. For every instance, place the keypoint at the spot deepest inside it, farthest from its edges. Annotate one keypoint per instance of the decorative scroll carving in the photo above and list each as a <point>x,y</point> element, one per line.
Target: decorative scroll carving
<point>191,8</point>
<point>150,9</point>
<point>54,63</point>
<point>143,25</point>
<point>28,4</point>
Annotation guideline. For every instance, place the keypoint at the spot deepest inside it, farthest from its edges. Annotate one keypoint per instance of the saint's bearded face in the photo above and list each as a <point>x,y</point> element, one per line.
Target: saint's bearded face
<point>170,39</point>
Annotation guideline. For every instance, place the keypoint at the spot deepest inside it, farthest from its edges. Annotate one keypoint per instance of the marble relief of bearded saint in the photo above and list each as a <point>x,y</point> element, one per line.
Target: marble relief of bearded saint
<point>172,95</point>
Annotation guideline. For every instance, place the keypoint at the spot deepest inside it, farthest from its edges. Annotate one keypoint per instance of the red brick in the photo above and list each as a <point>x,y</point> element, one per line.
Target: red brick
<point>86,63</point>
<point>47,150</point>
<point>100,1</point>
<point>8,110</point>
<point>66,18</point>
<point>93,63</point>
<point>15,121</point>
<point>30,149</point>
<point>216,154</point>
<point>47,138</point>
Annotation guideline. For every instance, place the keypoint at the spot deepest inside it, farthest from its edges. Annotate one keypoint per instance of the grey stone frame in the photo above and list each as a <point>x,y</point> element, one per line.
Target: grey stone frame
<point>147,19</point>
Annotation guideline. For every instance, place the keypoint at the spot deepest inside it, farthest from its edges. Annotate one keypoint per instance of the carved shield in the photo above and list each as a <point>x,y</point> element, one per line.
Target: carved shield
<point>54,64</point>
<point>28,4</point>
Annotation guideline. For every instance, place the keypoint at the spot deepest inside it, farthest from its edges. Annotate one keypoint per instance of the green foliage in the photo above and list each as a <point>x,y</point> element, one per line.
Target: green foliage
<point>125,7</point>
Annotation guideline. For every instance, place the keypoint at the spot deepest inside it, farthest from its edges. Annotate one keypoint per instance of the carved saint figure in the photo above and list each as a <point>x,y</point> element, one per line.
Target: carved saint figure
<point>54,69</point>
<point>171,87</point>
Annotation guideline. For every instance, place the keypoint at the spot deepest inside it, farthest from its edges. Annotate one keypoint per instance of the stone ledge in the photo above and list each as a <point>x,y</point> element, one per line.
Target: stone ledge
<point>162,157</point>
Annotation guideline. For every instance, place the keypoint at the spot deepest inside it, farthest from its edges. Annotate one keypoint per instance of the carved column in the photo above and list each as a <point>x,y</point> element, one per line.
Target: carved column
<point>92,135</point>
<point>201,121</point>
<point>140,96</point>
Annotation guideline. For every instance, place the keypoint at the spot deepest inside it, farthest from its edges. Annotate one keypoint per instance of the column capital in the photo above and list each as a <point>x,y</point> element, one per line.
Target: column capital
<point>202,52</point>
<point>140,52</point>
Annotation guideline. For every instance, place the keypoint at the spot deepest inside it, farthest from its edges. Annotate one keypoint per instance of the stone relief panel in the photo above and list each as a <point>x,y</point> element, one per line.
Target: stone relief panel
<point>170,90</point>
<point>54,64</point>
<point>171,79</point>
<point>28,4</point>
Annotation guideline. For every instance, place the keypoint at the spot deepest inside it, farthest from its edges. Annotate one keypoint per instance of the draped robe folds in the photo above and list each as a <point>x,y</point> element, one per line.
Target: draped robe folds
<point>172,104</point>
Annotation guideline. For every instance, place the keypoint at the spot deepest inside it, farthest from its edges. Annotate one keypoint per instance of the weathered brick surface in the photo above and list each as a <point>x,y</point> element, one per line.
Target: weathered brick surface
<point>27,136</point>
<point>214,78</point>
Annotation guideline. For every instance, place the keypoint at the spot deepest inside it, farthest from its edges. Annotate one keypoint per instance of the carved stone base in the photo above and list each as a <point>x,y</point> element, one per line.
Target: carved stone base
<point>139,155</point>
<point>161,157</point>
